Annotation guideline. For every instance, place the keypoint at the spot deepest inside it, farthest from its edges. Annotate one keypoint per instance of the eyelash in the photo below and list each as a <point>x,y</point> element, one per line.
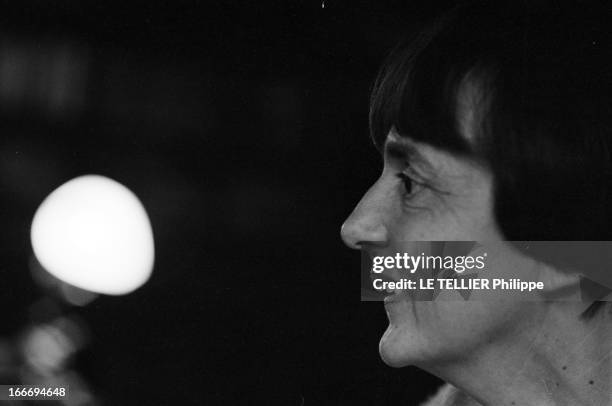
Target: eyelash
<point>414,187</point>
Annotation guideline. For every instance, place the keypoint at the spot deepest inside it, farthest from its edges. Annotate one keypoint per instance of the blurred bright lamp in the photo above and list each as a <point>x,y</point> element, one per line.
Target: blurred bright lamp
<point>94,233</point>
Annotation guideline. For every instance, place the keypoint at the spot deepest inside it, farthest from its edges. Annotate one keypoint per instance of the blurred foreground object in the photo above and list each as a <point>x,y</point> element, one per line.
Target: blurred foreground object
<point>47,351</point>
<point>94,233</point>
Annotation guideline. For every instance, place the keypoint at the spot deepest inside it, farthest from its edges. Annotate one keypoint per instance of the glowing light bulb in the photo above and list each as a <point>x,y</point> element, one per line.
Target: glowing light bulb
<point>94,233</point>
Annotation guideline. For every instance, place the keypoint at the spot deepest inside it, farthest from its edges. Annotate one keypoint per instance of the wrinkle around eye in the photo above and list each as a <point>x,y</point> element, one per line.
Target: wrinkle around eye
<point>419,200</point>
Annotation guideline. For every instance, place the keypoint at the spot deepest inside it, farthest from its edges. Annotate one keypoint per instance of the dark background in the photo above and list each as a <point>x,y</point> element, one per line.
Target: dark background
<point>242,127</point>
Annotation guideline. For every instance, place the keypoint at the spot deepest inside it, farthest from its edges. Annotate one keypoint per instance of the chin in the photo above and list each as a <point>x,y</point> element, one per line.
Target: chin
<point>397,349</point>
<point>408,342</point>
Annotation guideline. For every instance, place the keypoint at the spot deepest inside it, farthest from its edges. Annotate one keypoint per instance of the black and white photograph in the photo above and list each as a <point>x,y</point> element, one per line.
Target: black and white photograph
<point>306,203</point>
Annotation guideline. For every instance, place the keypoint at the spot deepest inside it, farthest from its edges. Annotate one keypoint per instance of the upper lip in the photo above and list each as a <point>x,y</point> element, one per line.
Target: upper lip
<point>385,275</point>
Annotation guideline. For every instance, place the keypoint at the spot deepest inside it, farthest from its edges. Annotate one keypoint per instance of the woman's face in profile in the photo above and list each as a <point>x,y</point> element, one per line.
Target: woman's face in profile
<point>425,194</point>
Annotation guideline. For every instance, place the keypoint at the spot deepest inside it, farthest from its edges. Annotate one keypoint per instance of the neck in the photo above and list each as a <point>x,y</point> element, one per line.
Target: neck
<point>555,358</point>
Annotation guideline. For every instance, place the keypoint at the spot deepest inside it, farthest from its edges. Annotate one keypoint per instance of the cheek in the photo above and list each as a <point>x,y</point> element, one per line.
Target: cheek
<point>469,220</point>
<point>435,225</point>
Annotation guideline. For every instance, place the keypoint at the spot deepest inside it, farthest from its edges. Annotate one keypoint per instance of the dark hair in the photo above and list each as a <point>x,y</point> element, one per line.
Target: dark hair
<point>545,116</point>
<point>543,112</point>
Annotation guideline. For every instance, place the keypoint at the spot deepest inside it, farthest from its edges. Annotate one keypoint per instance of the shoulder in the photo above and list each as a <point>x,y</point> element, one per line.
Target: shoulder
<point>448,395</point>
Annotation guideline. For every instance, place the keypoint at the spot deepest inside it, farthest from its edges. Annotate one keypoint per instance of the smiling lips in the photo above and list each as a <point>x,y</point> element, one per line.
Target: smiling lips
<point>387,294</point>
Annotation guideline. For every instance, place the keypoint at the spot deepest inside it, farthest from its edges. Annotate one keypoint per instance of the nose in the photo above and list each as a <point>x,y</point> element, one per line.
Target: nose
<point>355,234</point>
<point>365,225</point>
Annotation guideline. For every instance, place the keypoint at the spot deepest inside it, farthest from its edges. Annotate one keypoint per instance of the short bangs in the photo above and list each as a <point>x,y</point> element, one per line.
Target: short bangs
<point>417,89</point>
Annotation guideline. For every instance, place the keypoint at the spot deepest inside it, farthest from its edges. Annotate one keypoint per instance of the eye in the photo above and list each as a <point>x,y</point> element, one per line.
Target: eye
<point>411,186</point>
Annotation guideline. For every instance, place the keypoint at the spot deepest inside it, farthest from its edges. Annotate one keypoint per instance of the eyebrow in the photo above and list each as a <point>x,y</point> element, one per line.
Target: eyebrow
<point>407,151</point>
